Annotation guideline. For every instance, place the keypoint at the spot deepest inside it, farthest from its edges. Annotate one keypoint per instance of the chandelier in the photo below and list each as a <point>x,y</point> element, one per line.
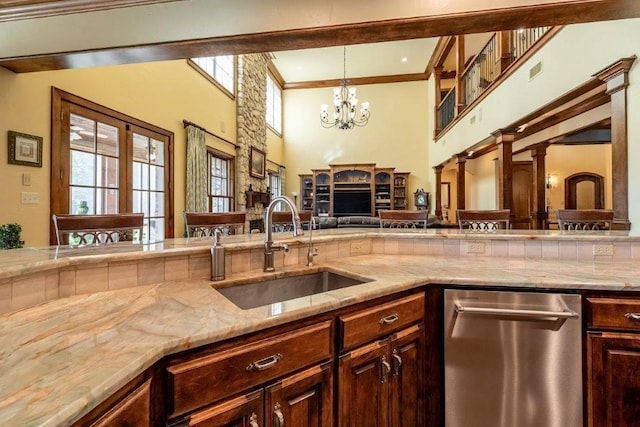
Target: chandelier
<point>345,105</point>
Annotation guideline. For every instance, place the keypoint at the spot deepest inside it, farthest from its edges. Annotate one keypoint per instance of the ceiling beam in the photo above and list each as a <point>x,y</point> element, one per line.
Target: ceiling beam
<point>367,32</point>
<point>357,81</point>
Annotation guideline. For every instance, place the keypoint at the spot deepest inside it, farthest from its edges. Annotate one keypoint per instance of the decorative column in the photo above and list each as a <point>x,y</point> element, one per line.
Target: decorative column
<point>461,160</point>
<point>504,141</point>
<point>251,105</point>
<point>438,171</point>
<point>505,57</point>
<point>617,78</point>
<point>539,214</point>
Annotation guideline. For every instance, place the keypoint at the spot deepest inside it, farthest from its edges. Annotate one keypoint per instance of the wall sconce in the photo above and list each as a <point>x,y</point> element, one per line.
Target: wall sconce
<point>295,198</point>
<point>550,181</point>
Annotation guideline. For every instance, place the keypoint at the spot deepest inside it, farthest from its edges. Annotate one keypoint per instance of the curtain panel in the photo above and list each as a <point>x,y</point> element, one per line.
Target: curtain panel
<point>196,182</point>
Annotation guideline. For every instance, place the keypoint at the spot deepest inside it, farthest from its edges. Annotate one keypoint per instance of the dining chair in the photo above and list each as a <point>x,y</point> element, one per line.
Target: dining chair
<point>281,220</point>
<point>483,220</point>
<point>584,219</point>
<point>203,224</point>
<point>390,218</point>
<point>98,229</point>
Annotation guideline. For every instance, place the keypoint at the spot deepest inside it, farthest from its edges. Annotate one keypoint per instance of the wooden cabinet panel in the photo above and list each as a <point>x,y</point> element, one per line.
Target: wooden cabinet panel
<point>613,313</point>
<point>132,411</point>
<point>204,380</point>
<point>407,378</point>
<point>362,390</point>
<point>366,325</point>
<point>614,380</point>
<point>242,411</point>
<point>303,399</point>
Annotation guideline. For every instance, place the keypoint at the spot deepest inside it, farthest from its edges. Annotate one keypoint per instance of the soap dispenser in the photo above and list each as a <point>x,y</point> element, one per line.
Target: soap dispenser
<point>217,257</point>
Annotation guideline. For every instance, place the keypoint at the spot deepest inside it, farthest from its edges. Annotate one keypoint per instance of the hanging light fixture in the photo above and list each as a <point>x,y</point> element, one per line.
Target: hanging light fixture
<point>345,105</point>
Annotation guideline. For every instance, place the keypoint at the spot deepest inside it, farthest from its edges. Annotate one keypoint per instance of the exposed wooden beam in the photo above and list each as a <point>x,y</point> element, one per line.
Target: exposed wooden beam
<point>367,32</point>
<point>358,81</point>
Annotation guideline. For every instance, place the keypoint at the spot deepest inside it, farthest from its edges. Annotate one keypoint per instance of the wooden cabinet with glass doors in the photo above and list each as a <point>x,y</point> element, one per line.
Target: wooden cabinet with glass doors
<point>306,192</point>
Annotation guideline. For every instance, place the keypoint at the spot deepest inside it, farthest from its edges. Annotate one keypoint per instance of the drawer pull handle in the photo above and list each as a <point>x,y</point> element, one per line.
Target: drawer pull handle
<point>266,363</point>
<point>253,420</point>
<point>278,419</point>
<point>389,319</point>
<point>632,316</point>
<point>397,362</point>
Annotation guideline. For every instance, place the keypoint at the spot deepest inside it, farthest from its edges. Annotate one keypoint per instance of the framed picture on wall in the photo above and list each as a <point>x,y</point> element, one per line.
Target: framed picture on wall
<point>25,150</point>
<point>257,163</point>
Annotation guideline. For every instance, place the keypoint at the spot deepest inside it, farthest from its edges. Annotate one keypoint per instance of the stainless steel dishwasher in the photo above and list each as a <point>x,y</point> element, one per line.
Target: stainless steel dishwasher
<point>512,359</point>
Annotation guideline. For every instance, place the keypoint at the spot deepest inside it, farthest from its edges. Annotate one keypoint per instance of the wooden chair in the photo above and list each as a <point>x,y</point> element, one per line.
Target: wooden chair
<point>281,220</point>
<point>403,218</point>
<point>203,224</point>
<point>97,229</point>
<point>483,220</point>
<point>584,219</point>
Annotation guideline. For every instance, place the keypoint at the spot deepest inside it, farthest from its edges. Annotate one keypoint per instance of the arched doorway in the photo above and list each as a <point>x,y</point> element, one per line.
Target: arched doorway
<point>584,190</point>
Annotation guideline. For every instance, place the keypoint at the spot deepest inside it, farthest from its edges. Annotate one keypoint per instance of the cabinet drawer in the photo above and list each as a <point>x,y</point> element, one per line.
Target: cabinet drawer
<point>366,325</point>
<point>206,379</point>
<point>614,313</point>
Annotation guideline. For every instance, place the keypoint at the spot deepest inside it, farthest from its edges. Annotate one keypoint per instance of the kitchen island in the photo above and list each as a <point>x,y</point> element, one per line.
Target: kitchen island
<point>63,357</point>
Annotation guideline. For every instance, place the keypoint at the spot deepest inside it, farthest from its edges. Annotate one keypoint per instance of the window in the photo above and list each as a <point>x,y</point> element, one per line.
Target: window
<point>274,105</point>
<point>275,188</point>
<point>104,162</point>
<point>221,188</point>
<point>219,69</point>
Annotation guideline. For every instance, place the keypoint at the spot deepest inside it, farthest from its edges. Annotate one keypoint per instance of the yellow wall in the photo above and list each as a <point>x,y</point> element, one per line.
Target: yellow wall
<point>161,93</point>
<point>396,135</point>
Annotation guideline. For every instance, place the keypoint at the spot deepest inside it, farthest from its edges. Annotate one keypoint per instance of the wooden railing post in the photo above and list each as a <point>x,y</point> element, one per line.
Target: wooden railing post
<point>505,56</point>
<point>437,72</point>
<point>460,92</point>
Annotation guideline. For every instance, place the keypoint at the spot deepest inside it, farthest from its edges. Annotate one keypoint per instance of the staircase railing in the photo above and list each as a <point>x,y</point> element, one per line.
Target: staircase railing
<point>480,72</point>
<point>447,109</point>
<point>524,38</point>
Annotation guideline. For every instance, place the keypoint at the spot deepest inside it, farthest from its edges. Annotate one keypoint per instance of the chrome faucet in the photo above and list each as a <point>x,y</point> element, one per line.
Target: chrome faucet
<point>311,251</point>
<point>269,246</point>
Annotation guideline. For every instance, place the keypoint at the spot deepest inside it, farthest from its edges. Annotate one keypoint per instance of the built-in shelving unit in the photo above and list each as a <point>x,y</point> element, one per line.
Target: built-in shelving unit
<point>400,190</point>
<point>356,189</point>
<point>322,192</point>
<point>306,192</point>
<point>383,189</point>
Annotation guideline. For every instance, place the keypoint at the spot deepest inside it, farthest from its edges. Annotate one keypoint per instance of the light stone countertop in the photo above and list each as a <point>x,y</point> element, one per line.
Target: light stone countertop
<point>60,359</point>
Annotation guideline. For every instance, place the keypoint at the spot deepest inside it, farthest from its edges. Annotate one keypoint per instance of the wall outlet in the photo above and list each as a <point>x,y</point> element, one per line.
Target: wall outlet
<point>29,198</point>
<point>475,247</point>
<point>603,249</point>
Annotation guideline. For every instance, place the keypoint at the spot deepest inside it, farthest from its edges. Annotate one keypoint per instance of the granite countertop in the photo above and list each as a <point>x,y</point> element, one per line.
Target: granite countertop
<point>60,359</point>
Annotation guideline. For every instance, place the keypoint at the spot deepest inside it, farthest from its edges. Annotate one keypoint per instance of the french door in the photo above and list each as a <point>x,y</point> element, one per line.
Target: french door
<point>104,162</point>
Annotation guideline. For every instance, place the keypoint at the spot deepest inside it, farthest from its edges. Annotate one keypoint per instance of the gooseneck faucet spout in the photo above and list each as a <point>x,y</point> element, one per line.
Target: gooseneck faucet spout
<point>269,246</point>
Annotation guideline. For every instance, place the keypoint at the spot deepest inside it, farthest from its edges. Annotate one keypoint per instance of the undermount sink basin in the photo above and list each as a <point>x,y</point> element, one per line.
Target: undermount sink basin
<point>265,292</point>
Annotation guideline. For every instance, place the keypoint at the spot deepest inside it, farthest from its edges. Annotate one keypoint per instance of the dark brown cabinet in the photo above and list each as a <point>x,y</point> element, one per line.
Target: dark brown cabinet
<point>381,383</point>
<point>304,399</point>
<point>242,411</point>
<point>613,362</point>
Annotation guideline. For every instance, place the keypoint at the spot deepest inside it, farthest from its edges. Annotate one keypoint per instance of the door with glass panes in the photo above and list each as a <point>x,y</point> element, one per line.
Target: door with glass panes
<point>103,164</point>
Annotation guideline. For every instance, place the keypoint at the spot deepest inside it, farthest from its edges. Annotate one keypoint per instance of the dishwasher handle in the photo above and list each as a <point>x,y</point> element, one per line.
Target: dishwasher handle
<point>534,314</point>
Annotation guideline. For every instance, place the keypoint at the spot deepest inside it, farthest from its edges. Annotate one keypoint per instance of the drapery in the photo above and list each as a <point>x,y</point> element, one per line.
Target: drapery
<point>196,182</point>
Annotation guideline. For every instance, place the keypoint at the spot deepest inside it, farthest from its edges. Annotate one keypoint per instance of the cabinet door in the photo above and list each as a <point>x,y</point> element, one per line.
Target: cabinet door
<point>407,378</point>
<point>303,399</point>
<point>614,380</point>
<point>242,411</point>
<point>363,386</point>
<point>132,411</point>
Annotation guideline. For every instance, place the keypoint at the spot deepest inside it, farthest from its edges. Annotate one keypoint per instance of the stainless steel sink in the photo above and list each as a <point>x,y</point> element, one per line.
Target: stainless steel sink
<point>265,292</point>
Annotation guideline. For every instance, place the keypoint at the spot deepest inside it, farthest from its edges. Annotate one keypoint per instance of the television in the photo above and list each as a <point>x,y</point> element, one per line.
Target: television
<point>350,203</point>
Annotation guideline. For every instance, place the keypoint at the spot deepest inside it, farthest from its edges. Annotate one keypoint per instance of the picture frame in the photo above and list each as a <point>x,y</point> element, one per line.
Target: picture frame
<point>24,149</point>
<point>257,162</point>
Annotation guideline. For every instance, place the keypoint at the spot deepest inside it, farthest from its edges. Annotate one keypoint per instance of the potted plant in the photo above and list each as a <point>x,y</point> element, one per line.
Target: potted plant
<point>10,236</point>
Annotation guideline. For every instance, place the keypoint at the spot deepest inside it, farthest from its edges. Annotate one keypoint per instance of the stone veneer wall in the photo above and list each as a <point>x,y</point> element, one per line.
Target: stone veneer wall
<point>251,105</point>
